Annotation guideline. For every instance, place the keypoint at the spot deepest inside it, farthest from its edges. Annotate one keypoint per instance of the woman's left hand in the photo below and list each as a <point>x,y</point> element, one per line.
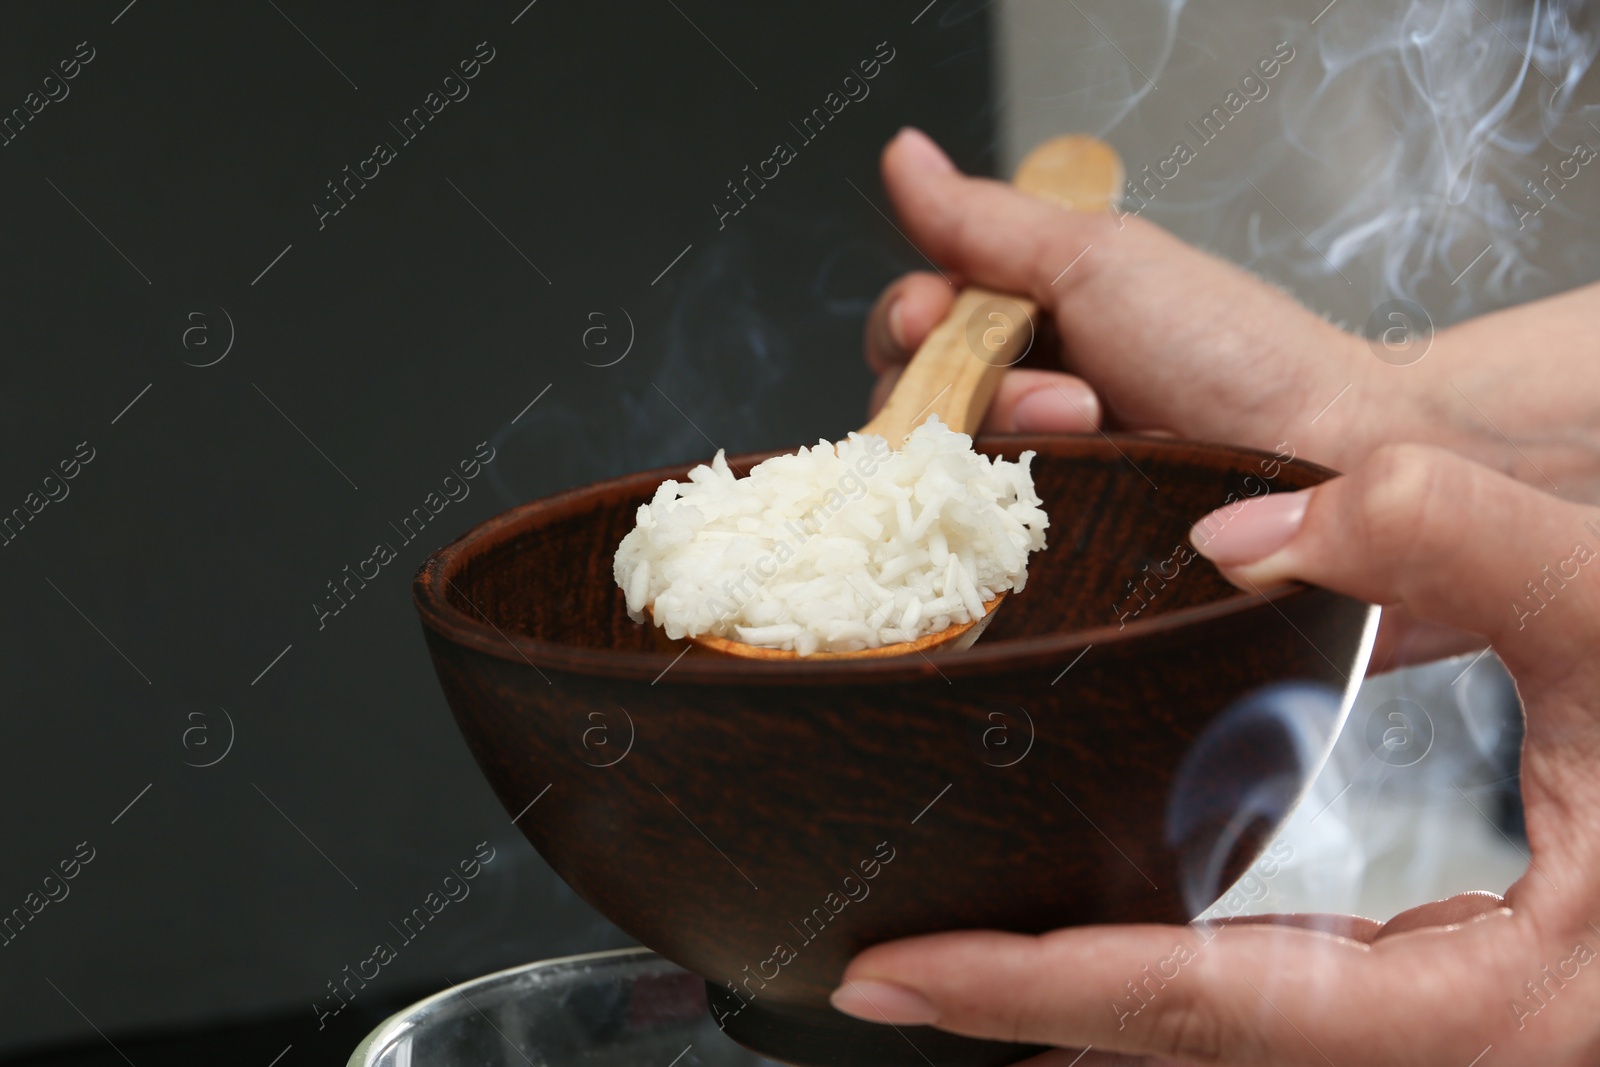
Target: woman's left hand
<point>1471,981</point>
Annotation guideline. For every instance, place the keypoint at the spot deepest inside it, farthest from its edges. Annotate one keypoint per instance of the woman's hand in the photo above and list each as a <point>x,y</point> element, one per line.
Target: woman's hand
<point>1158,335</point>
<point>1467,981</point>
<point>1167,337</point>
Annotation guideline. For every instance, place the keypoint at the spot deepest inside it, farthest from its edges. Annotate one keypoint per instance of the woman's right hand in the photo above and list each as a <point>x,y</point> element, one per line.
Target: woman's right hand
<point>1153,334</point>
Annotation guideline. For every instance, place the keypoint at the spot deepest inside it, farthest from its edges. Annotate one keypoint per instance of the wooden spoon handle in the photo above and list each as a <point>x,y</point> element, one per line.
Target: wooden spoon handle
<point>958,368</point>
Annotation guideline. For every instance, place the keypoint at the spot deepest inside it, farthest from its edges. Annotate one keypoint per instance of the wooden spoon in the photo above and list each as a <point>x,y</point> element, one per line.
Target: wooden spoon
<point>958,368</point>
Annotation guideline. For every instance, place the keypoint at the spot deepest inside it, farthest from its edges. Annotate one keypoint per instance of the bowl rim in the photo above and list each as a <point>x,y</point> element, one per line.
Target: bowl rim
<point>430,595</point>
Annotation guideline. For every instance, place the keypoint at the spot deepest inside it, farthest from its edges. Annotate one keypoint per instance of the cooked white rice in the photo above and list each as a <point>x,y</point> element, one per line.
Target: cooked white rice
<point>837,547</point>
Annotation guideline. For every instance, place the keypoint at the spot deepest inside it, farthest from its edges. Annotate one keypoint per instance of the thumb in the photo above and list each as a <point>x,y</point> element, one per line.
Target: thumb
<point>988,230</point>
<point>1248,996</point>
<point>1449,541</point>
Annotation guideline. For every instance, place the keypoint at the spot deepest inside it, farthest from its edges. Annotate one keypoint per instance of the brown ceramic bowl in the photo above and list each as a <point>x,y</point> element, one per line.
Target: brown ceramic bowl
<point>759,823</point>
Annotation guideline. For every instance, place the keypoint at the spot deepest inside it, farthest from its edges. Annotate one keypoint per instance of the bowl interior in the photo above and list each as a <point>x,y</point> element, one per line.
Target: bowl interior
<point>1118,552</point>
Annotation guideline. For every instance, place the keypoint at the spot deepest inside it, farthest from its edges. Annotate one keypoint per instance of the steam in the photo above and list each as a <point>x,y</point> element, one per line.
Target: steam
<point>1426,150</point>
<point>1414,149</point>
<point>677,396</point>
<point>1417,801</point>
<point>1481,107</point>
<point>1243,775</point>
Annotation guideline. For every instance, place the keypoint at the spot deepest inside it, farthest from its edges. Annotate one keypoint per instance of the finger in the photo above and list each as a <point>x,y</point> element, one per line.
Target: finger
<point>906,312</point>
<point>1036,401</point>
<point>1452,542</point>
<point>1243,995</point>
<point>1027,401</point>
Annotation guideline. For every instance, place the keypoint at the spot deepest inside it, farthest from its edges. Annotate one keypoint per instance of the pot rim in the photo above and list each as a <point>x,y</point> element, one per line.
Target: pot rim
<point>386,1032</point>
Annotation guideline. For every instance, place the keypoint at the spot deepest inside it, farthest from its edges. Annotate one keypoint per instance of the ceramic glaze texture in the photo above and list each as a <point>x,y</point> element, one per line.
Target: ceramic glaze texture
<point>759,823</point>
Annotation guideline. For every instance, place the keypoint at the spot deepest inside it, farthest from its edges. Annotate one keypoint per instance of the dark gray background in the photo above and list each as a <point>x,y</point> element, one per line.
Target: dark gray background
<point>397,338</point>
<point>412,328</point>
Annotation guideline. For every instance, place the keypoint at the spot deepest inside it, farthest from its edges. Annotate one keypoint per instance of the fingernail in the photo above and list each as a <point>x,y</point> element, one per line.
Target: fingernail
<point>1069,407</point>
<point>897,324</point>
<point>1250,530</point>
<point>922,151</point>
<point>882,1002</point>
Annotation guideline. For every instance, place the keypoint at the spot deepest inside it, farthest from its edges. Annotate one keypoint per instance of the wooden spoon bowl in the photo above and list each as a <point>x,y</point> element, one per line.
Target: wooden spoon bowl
<point>951,639</point>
